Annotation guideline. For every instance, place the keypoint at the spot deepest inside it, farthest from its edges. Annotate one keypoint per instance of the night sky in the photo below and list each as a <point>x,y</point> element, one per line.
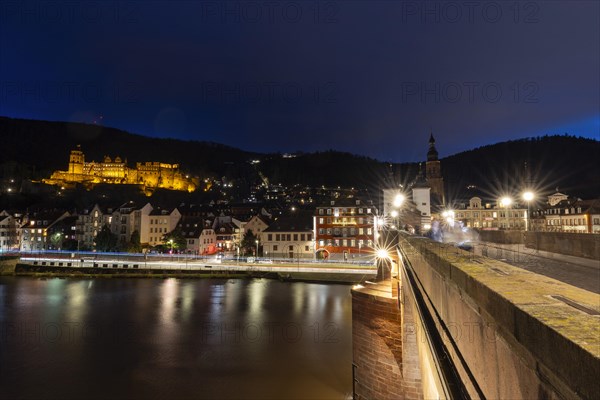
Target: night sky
<point>366,77</point>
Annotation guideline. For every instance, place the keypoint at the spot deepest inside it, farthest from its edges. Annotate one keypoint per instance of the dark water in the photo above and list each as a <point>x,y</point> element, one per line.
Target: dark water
<point>172,338</point>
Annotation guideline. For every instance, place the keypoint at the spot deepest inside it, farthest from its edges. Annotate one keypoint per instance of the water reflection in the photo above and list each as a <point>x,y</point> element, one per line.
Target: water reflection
<point>174,338</point>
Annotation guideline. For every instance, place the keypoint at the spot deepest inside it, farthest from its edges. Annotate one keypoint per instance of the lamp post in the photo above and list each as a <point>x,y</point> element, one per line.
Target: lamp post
<point>397,204</point>
<point>506,202</point>
<point>256,241</point>
<point>171,243</point>
<point>528,196</point>
<point>448,216</point>
<point>383,260</point>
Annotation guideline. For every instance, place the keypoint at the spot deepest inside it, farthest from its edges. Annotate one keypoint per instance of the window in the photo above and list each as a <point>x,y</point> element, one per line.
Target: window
<point>321,220</point>
<point>329,211</point>
<point>275,247</point>
<point>302,237</point>
<point>295,237</point>
<point>320,211</point>
<point>306,248</point>
<point>270,237</point>
<point>277,237</point>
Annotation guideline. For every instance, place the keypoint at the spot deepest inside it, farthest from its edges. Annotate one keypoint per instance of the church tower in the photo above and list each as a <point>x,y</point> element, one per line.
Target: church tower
<point>76,161</point>
<point>433,173</point>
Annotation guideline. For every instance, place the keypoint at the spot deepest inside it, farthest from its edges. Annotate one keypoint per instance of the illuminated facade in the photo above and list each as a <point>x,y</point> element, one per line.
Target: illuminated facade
<point>492,217</point>
<point>149,174</point>
<point>344,226</point>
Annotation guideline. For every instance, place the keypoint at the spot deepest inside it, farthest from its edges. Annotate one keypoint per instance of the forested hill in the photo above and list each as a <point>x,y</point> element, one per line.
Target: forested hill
<point>46,146</point>
<point>33,149</point>
<point>570,163</point>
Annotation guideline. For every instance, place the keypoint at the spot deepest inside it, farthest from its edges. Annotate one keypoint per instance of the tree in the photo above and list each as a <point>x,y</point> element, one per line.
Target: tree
<point>105,240</point>
<point>134,245</point>
<point>179,241</point>
<point>56,240</point>
<point>248,244</point>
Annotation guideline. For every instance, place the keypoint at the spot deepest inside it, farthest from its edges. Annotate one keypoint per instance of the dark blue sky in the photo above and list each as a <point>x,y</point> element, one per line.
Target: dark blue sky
<point>362,76</point>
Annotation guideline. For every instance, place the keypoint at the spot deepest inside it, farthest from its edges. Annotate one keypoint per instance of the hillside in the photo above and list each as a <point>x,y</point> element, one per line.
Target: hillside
<point>33,149</point>
<point>570,163</point>
<point>45,145</point>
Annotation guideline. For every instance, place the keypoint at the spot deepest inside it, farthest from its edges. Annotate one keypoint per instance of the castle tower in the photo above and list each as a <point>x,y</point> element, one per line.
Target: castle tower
<point>76,161</point>
<point>433,172</point>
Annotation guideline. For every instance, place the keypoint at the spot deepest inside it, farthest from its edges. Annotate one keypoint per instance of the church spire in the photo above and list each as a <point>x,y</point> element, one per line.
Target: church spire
<point>432,154</point>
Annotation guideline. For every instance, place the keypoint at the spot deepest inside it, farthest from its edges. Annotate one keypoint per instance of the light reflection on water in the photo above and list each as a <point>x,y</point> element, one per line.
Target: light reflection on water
<point>171,338</point>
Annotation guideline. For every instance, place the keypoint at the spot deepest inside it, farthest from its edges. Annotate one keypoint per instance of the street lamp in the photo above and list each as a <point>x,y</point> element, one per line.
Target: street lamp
<point>398,200</point>
<point>382,255</point>
<point>528,196</point>
<point>506,202</point>
<point>256,241</point>
<point>397,203</point>
<point>448,216</point>
<point>171,243</point>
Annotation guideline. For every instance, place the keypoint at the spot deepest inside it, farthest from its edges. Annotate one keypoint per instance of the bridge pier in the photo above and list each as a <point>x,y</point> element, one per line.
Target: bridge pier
<point>384,344</point>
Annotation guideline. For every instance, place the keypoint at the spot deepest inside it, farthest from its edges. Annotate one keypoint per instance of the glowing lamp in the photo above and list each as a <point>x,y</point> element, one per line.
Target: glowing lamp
<point>382,253</point>
<point>505,201</point>
<point>398,200</point>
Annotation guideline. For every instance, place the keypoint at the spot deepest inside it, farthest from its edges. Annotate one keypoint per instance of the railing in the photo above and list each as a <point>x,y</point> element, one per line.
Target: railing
<point>450,381</point>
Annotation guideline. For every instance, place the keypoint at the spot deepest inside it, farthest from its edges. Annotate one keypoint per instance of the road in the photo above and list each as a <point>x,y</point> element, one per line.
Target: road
<point>580,272</point>
<point>199,265</point>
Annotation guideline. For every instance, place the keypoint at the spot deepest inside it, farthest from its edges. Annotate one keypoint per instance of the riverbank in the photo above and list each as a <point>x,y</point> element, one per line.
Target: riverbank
<point>40,271</point>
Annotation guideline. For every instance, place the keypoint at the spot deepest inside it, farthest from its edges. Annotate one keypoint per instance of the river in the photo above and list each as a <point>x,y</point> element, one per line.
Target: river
<point>174,338</point>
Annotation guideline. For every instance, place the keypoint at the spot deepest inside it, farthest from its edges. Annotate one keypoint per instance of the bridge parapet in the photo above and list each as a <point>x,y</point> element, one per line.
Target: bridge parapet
<point>511,333</point>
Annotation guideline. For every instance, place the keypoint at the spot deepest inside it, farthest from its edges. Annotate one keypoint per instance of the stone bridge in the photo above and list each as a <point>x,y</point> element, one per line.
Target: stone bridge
<point>444,323</point>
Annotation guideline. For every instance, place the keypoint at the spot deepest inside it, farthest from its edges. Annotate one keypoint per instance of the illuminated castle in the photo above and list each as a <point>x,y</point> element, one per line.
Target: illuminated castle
<point>149,174</point>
